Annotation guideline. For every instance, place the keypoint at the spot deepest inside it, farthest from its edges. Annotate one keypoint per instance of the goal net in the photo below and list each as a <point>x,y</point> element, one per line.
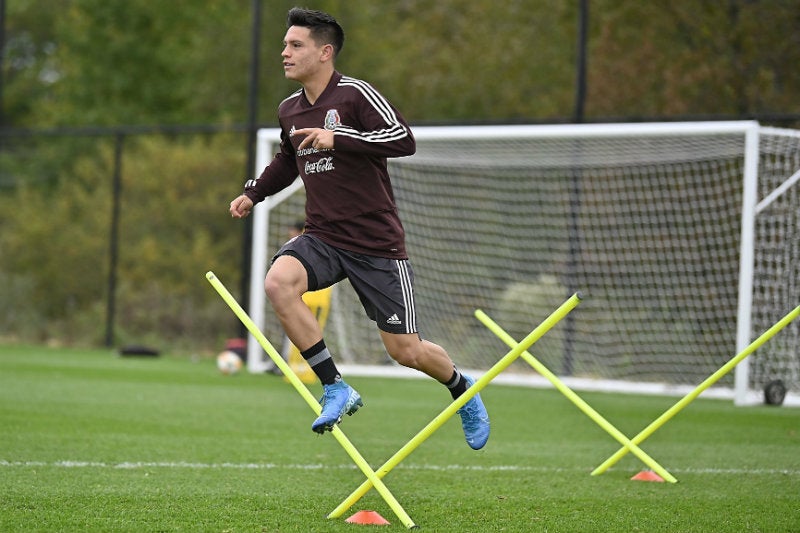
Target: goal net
<point>653,223</point>
<point>776,259</point>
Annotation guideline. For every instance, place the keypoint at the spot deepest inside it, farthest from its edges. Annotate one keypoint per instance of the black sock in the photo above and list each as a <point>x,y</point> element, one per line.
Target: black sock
<point>457,384</point>
<point>319,359</point>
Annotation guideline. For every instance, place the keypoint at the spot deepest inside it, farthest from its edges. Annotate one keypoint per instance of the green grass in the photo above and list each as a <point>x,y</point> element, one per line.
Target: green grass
<point>93,442</point>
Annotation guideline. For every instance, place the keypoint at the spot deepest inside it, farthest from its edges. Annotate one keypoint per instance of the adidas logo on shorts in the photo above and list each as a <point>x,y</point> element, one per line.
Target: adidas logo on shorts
<point>393,320</point>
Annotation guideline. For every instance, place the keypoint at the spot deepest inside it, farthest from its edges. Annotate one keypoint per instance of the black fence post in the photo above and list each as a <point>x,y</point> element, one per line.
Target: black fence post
<point>252,129</point>
<point>575,187</point>
<point>113,249</point>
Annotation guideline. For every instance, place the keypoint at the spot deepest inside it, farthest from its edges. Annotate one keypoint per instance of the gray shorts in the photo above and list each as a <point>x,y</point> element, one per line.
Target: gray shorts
<point>384,286</point>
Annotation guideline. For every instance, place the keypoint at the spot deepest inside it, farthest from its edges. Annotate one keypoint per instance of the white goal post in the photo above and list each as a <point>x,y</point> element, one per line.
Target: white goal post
<point>682,236</point>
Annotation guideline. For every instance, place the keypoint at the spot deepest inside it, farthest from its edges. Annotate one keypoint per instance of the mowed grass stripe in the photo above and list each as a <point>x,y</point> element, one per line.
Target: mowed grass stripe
<point>132,465</point>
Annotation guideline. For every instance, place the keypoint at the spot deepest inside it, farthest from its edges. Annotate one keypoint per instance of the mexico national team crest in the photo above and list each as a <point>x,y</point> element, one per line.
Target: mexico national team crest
<point>332,120</point>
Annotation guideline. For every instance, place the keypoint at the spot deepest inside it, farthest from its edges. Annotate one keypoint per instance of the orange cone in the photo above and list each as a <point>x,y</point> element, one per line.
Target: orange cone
<point>368,518</point>
<point>647,475</point>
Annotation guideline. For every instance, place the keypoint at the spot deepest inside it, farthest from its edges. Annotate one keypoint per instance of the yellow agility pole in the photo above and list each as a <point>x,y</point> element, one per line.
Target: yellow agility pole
<point>577,400</point>
<point>713,378</point>
<point>445,415</point>
<point>310,400</point>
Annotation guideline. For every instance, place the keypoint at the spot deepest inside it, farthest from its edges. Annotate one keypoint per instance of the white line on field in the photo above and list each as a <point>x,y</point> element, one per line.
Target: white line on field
<point>133,465</point>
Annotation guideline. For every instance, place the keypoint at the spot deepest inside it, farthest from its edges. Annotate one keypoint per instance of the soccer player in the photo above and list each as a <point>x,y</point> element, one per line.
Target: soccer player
<point>336,133</point>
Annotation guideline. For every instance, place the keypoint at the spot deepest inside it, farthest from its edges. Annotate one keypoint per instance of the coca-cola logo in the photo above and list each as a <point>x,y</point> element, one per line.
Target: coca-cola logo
<point>323,164</point>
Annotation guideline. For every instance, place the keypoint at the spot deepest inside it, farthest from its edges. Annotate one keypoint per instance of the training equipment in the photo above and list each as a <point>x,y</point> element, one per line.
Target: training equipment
<point>577,400</point>
<point>713,378</point>
<point>337,433</point>
<point>374,478</point>
<point>546,325</point>
<point>229,363</point>
<point>367,518</point>
<point>684,234</point>
<point>647,475</point>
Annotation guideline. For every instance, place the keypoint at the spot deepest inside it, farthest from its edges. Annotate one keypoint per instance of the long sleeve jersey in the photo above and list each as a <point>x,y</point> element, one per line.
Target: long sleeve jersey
<point>349,198</point>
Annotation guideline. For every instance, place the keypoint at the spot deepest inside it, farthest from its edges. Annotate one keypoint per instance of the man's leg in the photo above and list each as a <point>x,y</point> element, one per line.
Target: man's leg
<point>409,350</point>
<point>285,285</point>
<point>286,282</point>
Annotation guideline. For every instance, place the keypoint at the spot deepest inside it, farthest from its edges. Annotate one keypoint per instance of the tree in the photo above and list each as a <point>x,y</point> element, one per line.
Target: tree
<point>139,62</point>
<point>468,61</point>
<point>28,57</point>
<point>693,58</point>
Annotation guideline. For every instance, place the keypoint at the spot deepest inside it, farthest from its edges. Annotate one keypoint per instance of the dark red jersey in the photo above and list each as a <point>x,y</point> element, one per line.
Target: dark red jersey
<point>349,199</point>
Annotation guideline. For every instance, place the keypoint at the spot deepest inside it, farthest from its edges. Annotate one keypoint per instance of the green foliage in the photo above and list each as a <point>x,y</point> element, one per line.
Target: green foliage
<point>673,58</point>
<point>174,227</point>
<point>94,442</point>
<point>68,236</point>
<point>18,312</point>
<point>469,60</point>
<point>97,62</point>
<point>29,65</point>
<point>123,62</point>
<point>188,226</point>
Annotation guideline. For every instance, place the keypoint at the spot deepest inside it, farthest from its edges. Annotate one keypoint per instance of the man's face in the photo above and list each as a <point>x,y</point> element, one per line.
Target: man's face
<point>301,55</point>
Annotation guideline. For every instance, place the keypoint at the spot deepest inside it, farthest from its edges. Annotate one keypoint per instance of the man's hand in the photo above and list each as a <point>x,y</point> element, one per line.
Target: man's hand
<point>241,206</point>
<point>318,138</point>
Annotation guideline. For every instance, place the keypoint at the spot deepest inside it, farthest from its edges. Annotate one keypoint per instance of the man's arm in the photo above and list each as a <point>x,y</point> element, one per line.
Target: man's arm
<point>385,132</point>
<point>278,175</point>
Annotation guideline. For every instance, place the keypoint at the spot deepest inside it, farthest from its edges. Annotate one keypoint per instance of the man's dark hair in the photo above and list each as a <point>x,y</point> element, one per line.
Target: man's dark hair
<point>324,28</point>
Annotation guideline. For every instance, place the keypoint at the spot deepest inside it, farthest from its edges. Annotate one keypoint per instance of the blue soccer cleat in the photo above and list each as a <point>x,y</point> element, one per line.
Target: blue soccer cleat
<point>474,420</point>
<point>337,400</point>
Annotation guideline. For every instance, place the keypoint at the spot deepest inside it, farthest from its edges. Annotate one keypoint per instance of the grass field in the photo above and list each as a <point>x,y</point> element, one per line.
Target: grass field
<point>91,442</point>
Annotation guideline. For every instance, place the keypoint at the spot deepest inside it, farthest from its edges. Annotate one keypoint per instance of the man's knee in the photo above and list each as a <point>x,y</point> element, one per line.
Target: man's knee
<point>286,279</point>
<point>406,349</point>
<point>274,287</point>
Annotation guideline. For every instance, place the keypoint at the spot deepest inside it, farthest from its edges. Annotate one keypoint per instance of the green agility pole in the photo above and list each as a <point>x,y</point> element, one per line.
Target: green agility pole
<point>448,412</point>
<point>713,378</point>
<point>338,434</point>
<point>577,400</point>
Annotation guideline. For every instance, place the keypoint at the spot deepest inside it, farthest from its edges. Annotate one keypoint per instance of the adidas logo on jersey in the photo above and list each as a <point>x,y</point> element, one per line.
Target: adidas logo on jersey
<point>393,320</point>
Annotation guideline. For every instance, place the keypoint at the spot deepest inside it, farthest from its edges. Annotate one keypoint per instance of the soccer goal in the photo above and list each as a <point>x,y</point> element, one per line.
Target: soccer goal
<point>683,237</point>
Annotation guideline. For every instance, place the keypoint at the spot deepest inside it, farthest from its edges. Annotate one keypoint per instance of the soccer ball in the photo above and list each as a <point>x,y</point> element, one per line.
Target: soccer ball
<point>229,363</point>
